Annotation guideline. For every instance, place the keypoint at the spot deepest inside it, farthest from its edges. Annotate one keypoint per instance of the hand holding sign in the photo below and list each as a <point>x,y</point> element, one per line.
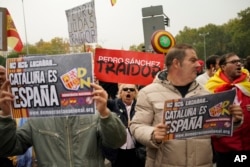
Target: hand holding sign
<point>101,97</point>
<point>236,112</point>
<point>5,99</point>
<point>160,132</point>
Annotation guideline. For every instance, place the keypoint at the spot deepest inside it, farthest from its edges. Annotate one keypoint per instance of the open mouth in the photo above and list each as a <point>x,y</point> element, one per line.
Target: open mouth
<point>238,69</point>
<point>128,96</point>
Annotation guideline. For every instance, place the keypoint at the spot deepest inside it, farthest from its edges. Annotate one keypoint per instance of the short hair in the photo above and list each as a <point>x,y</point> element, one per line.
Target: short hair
<point>247,63</point>
<point>224,58</point>
<point>177,52</point>
<point>211,60</point>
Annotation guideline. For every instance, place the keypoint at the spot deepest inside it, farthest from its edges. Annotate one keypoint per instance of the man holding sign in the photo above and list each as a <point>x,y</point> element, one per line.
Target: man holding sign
<point>147,126</point>
<point>231,75</point>
<point>62,141</point>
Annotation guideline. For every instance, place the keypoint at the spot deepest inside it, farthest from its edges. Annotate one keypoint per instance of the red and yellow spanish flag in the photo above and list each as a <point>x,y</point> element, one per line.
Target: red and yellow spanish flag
<point>113,2</point>
<point>13,39</point>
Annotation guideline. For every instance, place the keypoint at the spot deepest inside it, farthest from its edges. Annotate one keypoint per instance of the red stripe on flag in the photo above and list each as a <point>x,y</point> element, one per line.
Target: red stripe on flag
<point>12,32</point>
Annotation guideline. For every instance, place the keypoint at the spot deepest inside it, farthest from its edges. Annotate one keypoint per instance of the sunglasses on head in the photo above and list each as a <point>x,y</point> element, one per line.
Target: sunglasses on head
<point>130,89</point>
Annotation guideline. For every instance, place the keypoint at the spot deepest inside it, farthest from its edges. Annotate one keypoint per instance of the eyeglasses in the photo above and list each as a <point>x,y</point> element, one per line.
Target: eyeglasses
<point>130,89</point>
<point>233,61</point>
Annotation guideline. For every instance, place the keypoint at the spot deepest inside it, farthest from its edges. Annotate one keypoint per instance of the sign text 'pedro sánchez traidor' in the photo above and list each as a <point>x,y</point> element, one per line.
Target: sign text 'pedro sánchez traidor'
<point>55,85</point>
<point>198,116</point>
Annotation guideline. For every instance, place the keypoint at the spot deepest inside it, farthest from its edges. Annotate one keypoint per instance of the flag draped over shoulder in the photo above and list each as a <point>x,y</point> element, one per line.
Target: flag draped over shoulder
<point>219,82</point>
<point>13,39</point>
<point>113,2</point>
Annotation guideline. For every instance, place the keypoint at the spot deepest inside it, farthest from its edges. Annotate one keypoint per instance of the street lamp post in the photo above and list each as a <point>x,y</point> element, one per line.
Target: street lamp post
<point>27,46</point>
<point>204,42</point>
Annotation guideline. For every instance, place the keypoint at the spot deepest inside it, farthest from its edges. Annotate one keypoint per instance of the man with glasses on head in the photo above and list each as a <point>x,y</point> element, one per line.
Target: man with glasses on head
<point>124,107</point>
<point>231,75</point>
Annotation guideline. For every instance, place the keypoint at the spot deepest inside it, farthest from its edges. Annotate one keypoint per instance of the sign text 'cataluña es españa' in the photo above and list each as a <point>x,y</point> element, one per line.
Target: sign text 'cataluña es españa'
<point>198,116</point>
<point>56,85</point>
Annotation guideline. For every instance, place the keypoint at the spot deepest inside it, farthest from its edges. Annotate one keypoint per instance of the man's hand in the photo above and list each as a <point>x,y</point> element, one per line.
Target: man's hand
<point>160,131</point>
<point>6,99</point>
<point>237,112</point>
<point>2,75</point>
<point>101,97</point>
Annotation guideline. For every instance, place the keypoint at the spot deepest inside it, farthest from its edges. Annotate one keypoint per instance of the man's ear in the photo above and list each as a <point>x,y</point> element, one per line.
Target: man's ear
<point>222,67</point>
<point>176,63</point>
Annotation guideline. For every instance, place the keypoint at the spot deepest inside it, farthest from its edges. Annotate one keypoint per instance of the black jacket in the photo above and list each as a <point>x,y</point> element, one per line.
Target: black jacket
<point>119,108</point>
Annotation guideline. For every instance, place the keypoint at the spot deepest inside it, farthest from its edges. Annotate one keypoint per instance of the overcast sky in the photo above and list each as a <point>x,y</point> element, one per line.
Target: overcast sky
<point>118,26</point>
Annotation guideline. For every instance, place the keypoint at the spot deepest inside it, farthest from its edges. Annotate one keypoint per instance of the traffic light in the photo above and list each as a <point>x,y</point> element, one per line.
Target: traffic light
<point>166,21</point>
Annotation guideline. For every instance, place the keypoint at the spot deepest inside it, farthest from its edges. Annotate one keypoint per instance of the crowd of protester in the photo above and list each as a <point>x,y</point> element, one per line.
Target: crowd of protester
<point>129,115</point>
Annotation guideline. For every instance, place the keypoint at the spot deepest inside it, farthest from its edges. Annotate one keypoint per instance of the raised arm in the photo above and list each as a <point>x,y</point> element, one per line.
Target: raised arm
<point>6,99</point>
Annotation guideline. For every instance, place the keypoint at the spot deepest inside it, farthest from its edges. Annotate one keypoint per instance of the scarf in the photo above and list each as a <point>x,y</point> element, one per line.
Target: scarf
<point>219,82</point>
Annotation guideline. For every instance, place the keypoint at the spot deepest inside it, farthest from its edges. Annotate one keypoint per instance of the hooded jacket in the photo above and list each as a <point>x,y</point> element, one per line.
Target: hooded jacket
<point>190,152</point>
<point>73,141</point>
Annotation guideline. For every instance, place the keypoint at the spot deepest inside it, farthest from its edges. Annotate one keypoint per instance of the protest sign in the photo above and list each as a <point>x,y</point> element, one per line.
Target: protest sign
<point>119,66</point>
<point>82,26</point>
<point>198,116</point>
<point>55,85</point>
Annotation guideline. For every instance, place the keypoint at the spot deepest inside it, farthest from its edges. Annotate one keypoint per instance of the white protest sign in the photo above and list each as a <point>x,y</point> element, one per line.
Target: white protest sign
<point>82,24</point>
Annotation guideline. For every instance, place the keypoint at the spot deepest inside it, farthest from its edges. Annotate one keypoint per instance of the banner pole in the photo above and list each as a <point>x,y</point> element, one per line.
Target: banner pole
<point>26,39</point>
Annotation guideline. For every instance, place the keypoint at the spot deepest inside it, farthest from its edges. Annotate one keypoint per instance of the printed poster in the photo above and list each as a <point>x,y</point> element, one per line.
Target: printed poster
<point>57,85</point>
<point>198,116</point>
